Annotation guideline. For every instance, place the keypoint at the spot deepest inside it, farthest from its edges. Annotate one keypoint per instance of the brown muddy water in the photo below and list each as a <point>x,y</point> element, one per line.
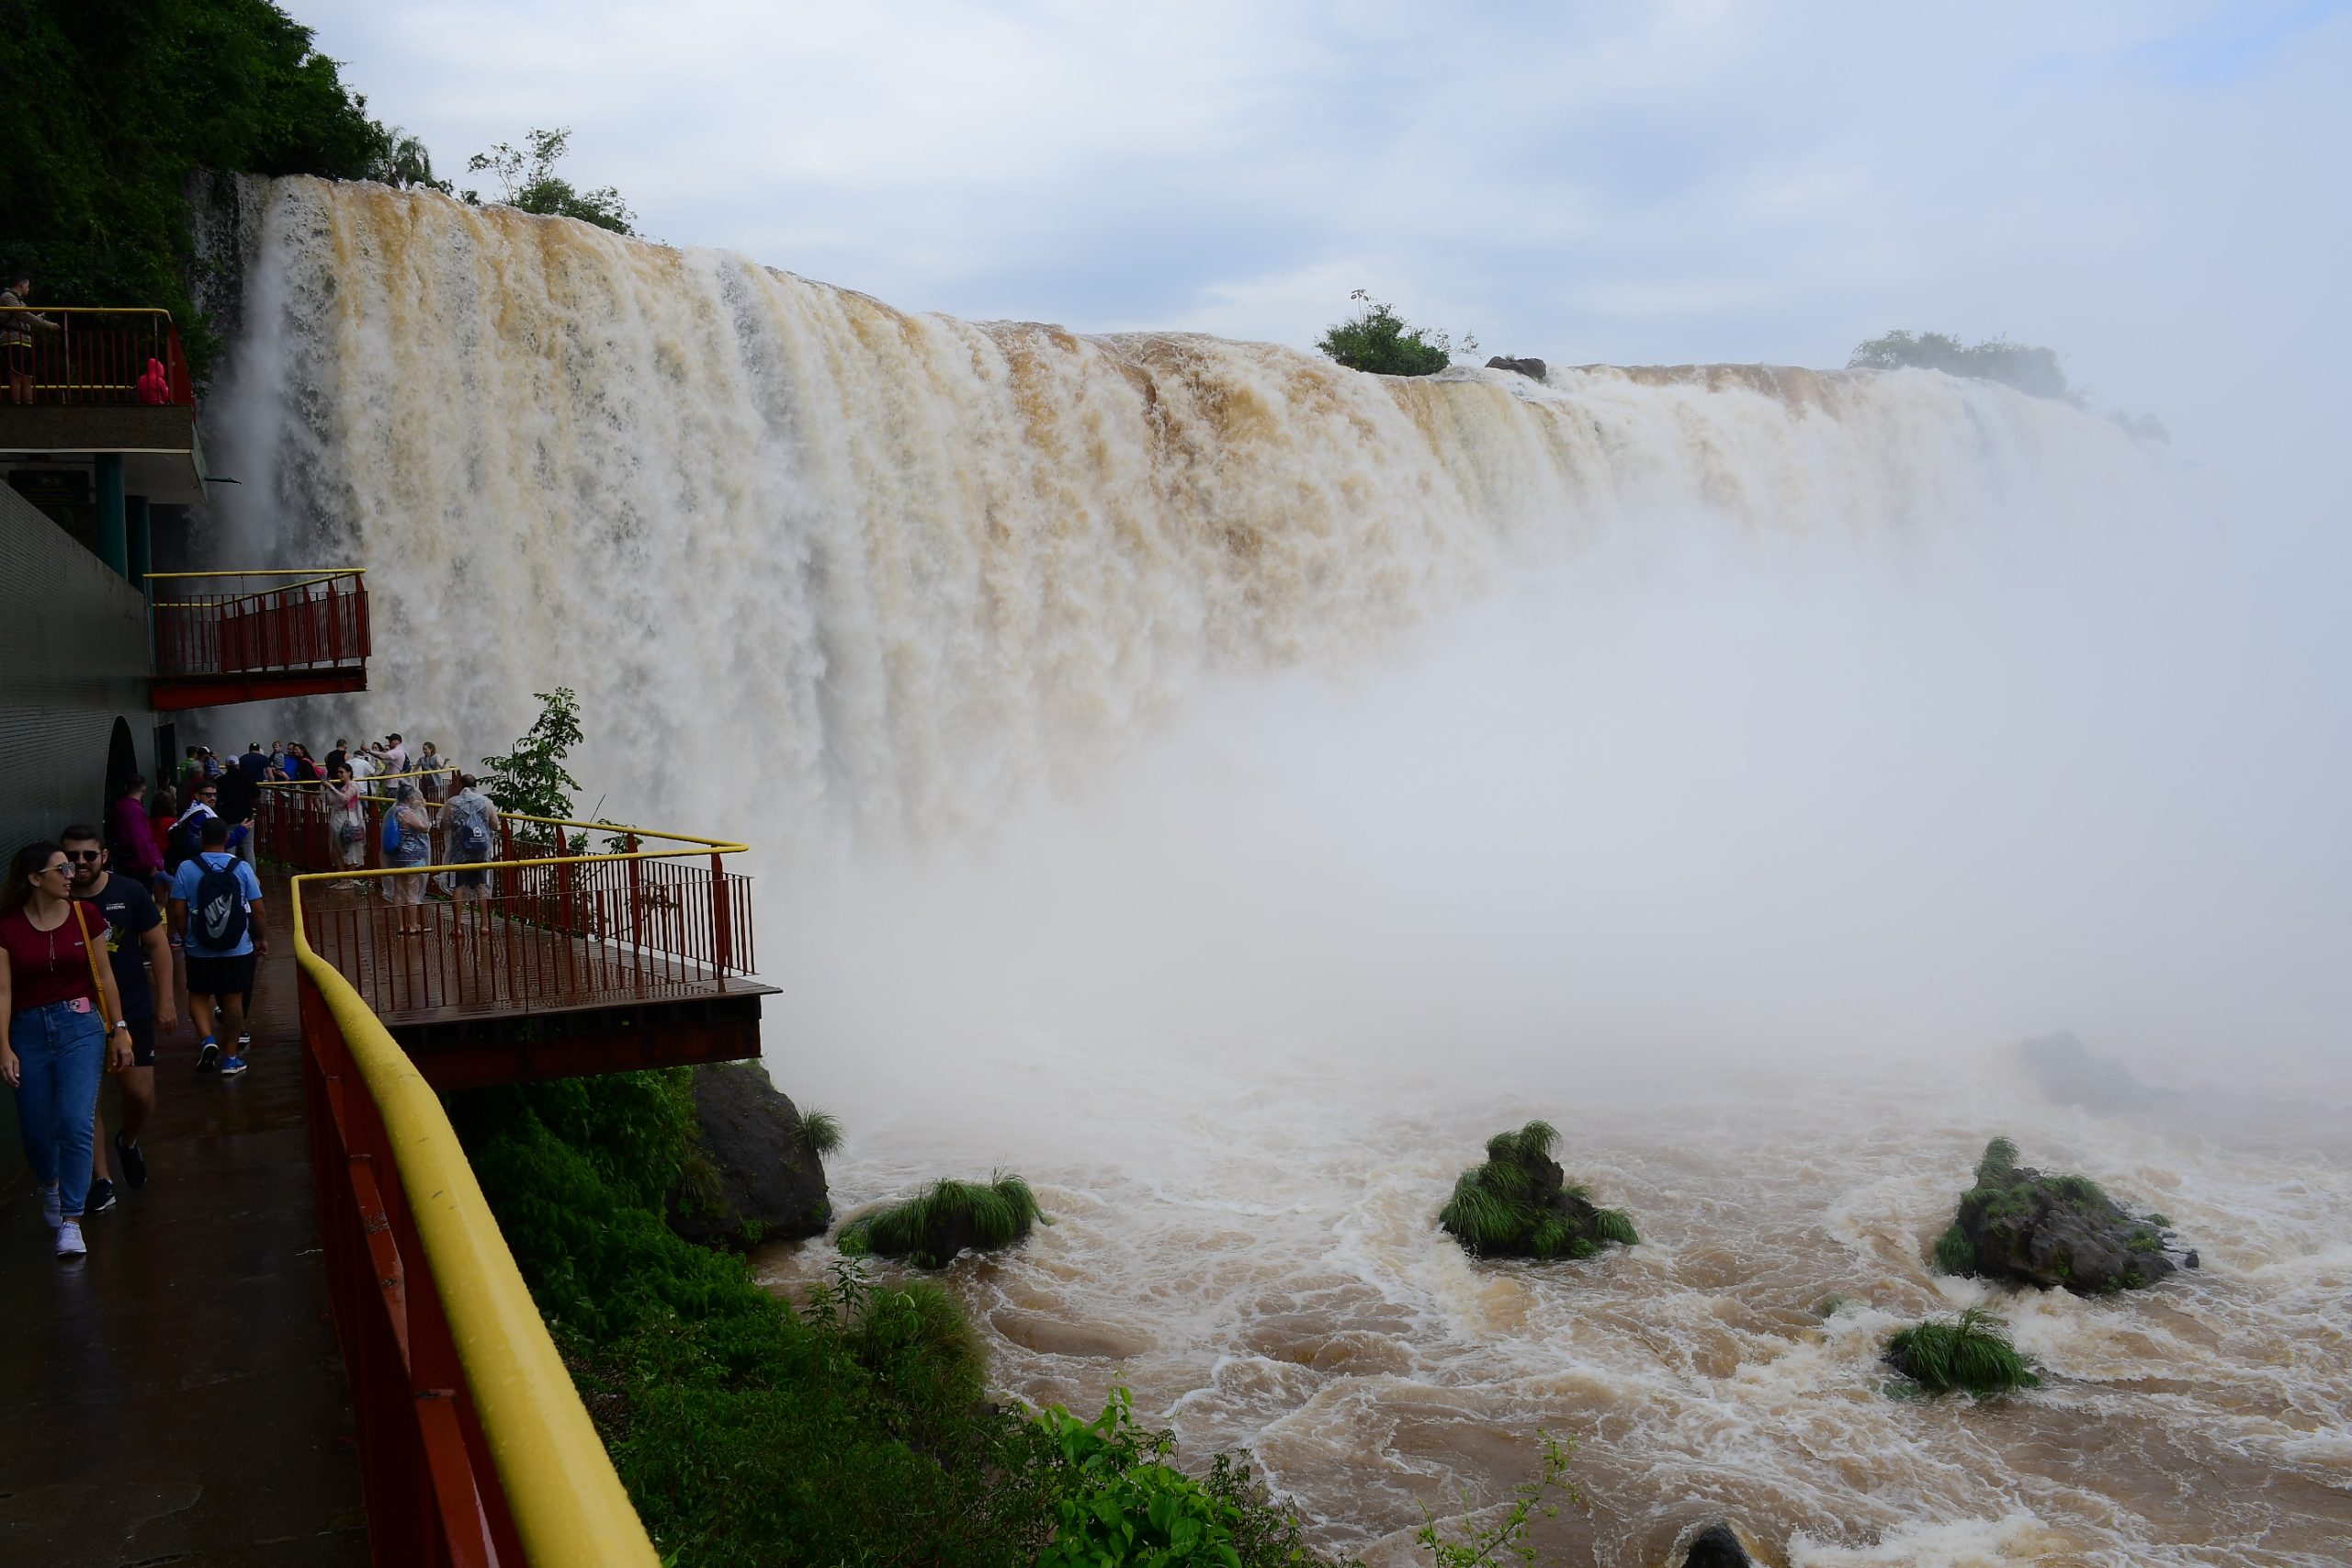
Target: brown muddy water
<point>1246,1240</point>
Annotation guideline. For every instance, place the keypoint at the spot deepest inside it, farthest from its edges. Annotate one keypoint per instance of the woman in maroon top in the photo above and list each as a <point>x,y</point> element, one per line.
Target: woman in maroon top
<point>60,1020</point>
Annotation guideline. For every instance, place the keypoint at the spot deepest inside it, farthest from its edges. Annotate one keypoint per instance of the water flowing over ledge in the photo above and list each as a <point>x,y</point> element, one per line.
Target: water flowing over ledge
<point>904,565</point>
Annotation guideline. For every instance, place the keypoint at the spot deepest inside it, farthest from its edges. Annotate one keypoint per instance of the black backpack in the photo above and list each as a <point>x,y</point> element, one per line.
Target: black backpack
<point>188,842</point>
<point>217,919</point>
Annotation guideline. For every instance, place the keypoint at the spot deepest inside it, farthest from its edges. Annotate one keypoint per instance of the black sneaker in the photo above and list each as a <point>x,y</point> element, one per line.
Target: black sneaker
<point>208,1057</point>
<point>101,1197</point>
<point>133,1163</point>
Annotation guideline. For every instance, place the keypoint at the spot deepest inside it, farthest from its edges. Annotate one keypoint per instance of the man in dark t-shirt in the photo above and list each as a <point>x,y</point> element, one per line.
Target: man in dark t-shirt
<point>135,940</point>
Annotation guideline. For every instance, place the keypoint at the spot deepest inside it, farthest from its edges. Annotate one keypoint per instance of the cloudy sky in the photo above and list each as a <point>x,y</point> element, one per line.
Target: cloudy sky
<point>2156,188</point>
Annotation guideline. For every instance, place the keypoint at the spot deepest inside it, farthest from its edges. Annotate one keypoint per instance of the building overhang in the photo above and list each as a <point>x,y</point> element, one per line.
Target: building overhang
<point>161,457</point>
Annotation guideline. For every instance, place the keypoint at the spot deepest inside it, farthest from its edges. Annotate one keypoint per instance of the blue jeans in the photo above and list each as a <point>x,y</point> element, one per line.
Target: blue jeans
<point>60,1056</point>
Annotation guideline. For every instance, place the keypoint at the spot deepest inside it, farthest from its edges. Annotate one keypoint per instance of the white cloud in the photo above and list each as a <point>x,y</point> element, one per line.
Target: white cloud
<point>2150,187</point>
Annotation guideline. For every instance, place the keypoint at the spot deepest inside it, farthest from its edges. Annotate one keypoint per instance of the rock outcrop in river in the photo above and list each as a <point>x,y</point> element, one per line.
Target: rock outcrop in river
<point>946,1218</point>
<point>1519,1203</point>
<point>755,1175</point>
<point>2019,1224</point>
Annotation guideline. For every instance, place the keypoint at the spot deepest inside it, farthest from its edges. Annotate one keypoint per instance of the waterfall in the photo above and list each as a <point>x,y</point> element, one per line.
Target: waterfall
<point>901,569</point>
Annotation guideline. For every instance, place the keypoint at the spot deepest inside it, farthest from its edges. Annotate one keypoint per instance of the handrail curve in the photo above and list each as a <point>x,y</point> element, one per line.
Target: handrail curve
<point>567,1502</point>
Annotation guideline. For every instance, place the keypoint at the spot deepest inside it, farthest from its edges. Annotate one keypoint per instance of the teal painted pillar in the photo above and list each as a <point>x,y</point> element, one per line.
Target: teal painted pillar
<point>140,548</point>
<point>113,547</point>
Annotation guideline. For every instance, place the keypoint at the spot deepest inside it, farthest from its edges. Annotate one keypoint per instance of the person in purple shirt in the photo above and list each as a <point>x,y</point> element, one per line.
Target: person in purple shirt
<point>130,839</point>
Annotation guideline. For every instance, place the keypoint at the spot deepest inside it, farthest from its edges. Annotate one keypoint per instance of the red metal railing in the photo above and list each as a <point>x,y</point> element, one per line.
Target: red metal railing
<point>226,624</point>
<point>591,932</point>
<point>432,1486</point>
<point>85,355</point>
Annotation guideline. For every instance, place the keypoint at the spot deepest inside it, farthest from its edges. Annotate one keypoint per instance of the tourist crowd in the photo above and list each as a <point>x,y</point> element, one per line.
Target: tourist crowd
<point>173,868</point>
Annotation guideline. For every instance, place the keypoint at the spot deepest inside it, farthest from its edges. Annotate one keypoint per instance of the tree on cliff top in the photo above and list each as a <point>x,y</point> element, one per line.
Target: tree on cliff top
<point>527,175</point>
<point>112,105</point>
<point>2019,365</point>
<point>1379,339</point>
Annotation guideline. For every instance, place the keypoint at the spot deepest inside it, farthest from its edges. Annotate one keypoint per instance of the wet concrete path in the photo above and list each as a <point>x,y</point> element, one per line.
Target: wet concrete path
<point>177,1397</point>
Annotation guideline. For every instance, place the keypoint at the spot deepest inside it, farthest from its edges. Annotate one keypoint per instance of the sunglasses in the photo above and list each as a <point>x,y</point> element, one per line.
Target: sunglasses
<point>87,857</point>
<point>59,866</point>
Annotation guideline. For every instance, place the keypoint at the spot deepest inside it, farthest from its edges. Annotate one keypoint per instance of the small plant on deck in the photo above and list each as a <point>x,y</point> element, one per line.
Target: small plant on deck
<point>1972,1352</point>
<point>929,1229</point>
<point>1517,1203</point>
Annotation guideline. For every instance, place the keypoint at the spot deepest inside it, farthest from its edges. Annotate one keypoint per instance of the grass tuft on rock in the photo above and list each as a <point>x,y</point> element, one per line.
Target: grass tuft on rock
<point>947,1217</point>
<point>822,1131</point>
<point>1971,1353</point>
<point>1519,1203</point>
<point>1955,1254</point>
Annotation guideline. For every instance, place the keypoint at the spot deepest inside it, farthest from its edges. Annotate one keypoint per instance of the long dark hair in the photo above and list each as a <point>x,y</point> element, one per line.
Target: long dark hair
<point>30,862</point>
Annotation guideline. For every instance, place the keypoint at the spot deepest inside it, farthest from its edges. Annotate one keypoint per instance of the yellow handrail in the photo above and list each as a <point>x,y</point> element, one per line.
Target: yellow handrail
<point>701,846</point>
<point>568,1505</point>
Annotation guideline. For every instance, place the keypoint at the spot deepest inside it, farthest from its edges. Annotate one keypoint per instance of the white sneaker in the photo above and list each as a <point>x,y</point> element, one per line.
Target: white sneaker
<point>69,1239</point>
<point>49,1206</point>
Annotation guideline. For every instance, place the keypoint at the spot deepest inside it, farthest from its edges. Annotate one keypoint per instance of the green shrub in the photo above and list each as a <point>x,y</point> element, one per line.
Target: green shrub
<point>1517,1205</point>
<point>1955,1254</point>
<point>1377,339</point>
<point>1480,1545</point>
<point>929,1229</point>
<point>1971,1353</point>
<point>820,1130</point>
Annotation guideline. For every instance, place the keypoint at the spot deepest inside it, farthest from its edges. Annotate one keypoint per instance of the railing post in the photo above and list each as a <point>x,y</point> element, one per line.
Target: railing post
<point>722,946</point>
<point>636,893</point>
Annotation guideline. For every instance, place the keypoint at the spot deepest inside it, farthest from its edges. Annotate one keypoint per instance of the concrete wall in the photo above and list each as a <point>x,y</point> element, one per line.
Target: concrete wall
<point>74,660</point>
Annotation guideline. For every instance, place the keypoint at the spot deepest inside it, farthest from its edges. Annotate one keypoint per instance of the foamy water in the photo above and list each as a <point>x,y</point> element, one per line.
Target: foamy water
<point>1250,1243</point>
<point>1226,789</point>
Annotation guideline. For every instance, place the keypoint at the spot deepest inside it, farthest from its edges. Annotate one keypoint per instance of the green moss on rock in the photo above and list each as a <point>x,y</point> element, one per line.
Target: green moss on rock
<point>1519,1204</point>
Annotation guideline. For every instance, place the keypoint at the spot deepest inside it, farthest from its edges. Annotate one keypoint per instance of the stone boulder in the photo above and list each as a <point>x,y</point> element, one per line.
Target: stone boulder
<point>2070,1075</point>
<point>2022,1225</point>
<point>1531,368</point>
<point>1715,1546</point>
<point>753,1177</point>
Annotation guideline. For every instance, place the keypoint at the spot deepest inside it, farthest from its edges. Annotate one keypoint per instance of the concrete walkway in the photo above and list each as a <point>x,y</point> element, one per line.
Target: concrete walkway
<point>177,1397</point>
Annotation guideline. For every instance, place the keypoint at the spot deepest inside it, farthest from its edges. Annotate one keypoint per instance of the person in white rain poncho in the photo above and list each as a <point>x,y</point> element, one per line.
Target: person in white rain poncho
<point>469,836</point>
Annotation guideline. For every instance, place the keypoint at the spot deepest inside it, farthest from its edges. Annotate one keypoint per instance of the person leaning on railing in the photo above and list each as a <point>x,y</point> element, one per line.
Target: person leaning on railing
<point>17,326</point>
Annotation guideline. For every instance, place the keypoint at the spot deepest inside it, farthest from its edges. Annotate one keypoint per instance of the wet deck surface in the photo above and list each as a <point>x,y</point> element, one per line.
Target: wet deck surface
<point>177,1397</point>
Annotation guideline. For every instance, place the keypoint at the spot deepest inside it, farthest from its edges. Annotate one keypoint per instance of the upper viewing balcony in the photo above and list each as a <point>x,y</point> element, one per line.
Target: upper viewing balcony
<point>235,636</point>
<point>104,382</point>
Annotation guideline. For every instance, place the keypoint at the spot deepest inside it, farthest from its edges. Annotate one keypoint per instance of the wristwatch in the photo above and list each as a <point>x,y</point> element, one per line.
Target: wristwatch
<point>122,1024</point>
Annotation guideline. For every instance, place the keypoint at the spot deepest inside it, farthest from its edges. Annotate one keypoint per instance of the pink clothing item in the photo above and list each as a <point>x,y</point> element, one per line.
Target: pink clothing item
<point>134,840</point>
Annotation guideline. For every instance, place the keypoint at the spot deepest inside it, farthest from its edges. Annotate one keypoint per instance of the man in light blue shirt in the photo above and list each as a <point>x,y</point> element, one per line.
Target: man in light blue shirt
<point>216,899</point>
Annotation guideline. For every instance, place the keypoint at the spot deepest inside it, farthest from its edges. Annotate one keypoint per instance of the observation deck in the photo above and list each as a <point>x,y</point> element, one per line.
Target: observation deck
<point>572,964</point>
<point>93,395</point>
<point>236,637</point>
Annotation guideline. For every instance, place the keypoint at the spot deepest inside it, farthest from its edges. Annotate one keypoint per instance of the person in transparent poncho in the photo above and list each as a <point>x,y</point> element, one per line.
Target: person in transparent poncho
<point>470,834</point>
